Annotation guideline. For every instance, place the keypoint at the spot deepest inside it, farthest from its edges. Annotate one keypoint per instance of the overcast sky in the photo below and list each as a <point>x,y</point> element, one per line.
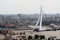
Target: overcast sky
<point>29,6</point>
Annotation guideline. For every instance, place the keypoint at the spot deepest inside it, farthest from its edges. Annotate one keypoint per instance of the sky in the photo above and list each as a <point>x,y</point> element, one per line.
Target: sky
<point>29,6</point>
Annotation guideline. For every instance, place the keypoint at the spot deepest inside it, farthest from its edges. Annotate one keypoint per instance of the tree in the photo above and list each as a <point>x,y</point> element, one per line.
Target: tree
<point>42,37</point>
<point>29,37</point>
<point>36,36</point>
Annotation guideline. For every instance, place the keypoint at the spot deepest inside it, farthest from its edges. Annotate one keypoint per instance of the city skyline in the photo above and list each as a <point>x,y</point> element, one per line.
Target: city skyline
<point>29,6</point>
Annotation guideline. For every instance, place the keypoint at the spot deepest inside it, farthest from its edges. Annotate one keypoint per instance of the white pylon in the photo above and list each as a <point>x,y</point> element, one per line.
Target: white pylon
<point>40,18</point>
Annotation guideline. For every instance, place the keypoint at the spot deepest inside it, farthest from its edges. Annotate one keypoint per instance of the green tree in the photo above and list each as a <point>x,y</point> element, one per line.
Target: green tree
<point>30,37</point>
<point>42,37</point>
<point>36,36</point>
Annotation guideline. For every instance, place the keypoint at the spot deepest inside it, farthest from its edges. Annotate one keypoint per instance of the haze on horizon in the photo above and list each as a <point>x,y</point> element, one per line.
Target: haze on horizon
<point>29,6</point>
